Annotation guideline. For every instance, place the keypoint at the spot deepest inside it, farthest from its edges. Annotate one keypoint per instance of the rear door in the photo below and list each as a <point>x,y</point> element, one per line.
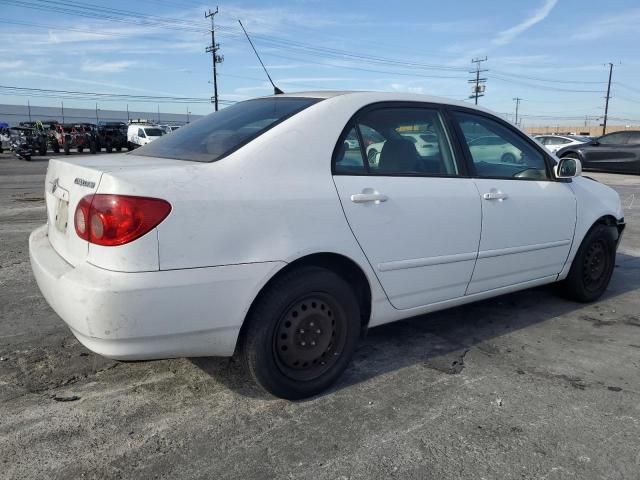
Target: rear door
<point>415,216</point>
<point>528,218</point>
<point>630,154</point>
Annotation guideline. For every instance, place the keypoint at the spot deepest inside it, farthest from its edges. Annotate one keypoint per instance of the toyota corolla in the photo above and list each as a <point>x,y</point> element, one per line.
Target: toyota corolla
<point>264,230</point>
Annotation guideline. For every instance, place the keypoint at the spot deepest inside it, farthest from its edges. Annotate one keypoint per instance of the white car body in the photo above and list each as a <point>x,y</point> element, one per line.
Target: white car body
<point>139,135</point>
<point>553,143</point>
<point>185,288</point>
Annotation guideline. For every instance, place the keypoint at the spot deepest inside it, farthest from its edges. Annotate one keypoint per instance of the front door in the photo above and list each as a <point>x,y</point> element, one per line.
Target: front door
<point>416,219</point>
<point>528,218</point>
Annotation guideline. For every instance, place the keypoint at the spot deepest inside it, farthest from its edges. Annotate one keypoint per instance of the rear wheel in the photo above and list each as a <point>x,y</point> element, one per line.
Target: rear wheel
<point>130,146</point>
<point>592,266</point>
<point>56,146</point>
<point>508,158</point>
<point>79,149</point>
<point>301,333</point>
<point>66,148</point>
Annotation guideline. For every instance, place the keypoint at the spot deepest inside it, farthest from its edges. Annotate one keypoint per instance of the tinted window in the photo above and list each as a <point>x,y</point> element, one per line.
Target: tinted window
<point>616,138</point>
<point>154,132</point>
<point>634,138</point>
<point>509,157</point>
<point>218,134</point>
<point>349,155</point>
<point>394,142</point>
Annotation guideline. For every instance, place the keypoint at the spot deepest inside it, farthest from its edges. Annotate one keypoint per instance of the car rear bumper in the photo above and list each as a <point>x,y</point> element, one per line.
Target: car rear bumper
<point>149,315</point>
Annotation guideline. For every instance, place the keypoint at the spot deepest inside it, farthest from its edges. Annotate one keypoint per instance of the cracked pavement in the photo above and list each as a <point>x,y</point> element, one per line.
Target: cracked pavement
<point>526,385</point>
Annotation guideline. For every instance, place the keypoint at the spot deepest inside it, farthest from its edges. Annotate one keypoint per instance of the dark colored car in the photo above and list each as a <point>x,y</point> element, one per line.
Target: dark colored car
<point>112,136</point>
<point>617,152</point>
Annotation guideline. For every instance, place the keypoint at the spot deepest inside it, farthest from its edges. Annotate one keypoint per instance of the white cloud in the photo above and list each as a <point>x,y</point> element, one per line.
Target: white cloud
<point>11,64</point>
<point>506,36</point>
<point>614,24</point>
<point>106,67</point>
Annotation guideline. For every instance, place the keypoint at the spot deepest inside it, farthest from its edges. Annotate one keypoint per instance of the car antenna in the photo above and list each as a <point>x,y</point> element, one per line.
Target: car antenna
<point>276,90</point>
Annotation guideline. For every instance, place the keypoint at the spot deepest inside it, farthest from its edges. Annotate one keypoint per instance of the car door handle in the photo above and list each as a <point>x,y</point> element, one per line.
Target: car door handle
<point>368,197</point>
<point>495,196</point>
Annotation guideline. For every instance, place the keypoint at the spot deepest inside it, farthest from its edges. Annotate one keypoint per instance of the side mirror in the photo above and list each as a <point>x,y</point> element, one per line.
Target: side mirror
<point>568,168</point>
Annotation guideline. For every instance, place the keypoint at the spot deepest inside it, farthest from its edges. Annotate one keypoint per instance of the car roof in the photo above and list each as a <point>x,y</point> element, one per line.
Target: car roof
<point>373,96</point>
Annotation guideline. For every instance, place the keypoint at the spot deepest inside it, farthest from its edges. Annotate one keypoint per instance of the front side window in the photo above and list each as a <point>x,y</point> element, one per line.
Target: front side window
<point>617,138</point>
<point>406,141</point>
<point>213,137</point>
<point>498,151</point>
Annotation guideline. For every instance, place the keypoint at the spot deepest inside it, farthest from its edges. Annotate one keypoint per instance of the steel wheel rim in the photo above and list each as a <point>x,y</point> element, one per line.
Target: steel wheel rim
<point>309,337</point>
<point>595,266</point>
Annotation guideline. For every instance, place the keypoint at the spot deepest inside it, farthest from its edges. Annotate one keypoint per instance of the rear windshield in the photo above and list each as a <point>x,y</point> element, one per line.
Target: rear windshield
<point>218,134</point>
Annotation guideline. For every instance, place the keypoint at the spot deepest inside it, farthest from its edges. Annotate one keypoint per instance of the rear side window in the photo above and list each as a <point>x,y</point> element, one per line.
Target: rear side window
<point>396,141</point>
<point>218,134</point>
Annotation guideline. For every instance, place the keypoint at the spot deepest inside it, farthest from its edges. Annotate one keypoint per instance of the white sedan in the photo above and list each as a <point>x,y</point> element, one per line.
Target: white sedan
<point>258,230</point>
<point>553,143</point>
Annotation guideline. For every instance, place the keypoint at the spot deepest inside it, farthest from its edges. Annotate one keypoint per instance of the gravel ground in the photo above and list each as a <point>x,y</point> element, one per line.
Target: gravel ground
<point>526,385</point>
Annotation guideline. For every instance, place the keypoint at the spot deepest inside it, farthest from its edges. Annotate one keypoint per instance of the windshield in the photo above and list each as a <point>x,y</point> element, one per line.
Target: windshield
<point>218,134</point>
<point>153,132</point>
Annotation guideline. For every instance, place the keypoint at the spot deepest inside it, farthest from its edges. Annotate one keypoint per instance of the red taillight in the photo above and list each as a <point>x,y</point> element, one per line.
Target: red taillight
<point>118,219</point>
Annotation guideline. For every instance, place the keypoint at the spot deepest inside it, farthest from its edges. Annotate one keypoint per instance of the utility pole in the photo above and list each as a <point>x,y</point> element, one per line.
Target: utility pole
<point>517,100</point>
<point>188,114</point>
<point>606,105</point>
<point>128,113</point>
<point>213,49</point>
<point>62,103</point>
<point>478,89</point>
<point>97,113</point>
<point>158,113</point>
<point>29,108</point>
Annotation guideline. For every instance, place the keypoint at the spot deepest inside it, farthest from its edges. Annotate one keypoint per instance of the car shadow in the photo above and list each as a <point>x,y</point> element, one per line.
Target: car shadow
<point>440,340</point>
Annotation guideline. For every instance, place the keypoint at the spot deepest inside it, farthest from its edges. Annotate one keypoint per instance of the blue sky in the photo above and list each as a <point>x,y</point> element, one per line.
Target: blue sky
<point>551,53</point>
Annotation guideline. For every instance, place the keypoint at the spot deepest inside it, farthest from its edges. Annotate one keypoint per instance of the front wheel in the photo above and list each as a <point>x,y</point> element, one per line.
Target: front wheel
<point>302,333</point>
<point>592,266</point>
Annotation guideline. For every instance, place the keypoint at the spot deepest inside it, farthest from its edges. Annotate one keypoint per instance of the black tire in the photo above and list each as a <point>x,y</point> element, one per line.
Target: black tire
<point>130,146</point>
<point>118,148</point>
<point>108,148</point>
<point>42,150</point>
<point>67,149</point>
<point>27,157</point>
<point>93,147</point>
<point>79,149</point>
<point>56,147</point>
<point>592,266</point>
<point>301,333</point>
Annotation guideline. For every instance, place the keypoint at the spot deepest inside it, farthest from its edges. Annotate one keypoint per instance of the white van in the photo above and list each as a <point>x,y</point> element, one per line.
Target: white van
<point>138,135</point>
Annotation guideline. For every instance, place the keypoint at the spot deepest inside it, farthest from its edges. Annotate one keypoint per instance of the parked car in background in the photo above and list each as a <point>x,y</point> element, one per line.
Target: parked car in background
<point>493,149</point>
<point>555,142</point>
<point>111,136</point>
<point>259,230</point>
<point>5,137</point>
<point>81,136</point>
<point>615,152</point>
<point>141,134</point>
<point>28,139</point>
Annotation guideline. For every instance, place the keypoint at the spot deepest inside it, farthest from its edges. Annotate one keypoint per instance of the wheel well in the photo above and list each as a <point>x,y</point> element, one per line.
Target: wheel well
<point>609,221</point>
<point>349,270</point>
<point>572,152</point>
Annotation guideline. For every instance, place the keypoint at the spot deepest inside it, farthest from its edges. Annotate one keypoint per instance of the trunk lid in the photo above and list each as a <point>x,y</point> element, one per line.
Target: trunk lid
<point>68,181</point>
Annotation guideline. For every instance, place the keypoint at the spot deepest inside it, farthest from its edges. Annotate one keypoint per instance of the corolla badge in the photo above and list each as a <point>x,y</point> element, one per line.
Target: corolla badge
<point>84,183</point>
